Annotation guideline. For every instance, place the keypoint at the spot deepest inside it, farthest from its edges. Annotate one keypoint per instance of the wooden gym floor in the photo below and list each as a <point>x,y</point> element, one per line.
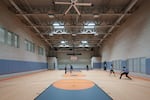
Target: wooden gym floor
<point>29,86</point>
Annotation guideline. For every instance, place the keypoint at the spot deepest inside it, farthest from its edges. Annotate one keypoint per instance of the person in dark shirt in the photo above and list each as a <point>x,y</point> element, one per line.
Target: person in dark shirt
<point>125,71</point>
<point>87,67</point>
<point>71,68</point>
<point>105,65</point>
<point>65,69</point>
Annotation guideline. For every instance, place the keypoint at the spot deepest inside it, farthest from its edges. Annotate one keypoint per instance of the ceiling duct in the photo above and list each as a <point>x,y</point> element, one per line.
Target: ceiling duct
<point>74,53</point>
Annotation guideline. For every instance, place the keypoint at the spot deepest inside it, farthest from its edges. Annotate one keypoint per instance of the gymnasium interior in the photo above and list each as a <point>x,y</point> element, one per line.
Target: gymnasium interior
<point>74,50</point>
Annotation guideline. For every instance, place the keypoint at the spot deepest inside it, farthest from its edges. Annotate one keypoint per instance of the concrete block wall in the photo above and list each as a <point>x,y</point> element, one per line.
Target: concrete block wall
<point>52,63</point>
<point>18,59</point>
<point>132,39</point>
<point>80,63</point>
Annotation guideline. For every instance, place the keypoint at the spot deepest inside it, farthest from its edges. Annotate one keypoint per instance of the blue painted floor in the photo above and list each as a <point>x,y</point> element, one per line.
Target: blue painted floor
<point>93,93</point>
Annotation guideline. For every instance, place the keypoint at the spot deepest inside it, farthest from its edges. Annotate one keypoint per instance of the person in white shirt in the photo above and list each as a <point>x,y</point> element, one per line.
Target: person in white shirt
<point>112,69</point>
<point>125,71</point>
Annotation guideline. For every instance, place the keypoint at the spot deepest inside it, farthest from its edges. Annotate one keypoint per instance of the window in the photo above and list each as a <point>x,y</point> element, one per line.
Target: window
<point>16,41</point>
<point>9,39</point>
<point>32,47</point>
<point>41,51</point>
<point>26,44</point>
<point>2,35</point>
<point>29,46</point>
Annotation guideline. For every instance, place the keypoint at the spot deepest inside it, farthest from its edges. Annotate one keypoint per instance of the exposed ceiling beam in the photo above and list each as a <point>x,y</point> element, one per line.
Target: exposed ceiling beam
<point>63,3</point>
<point>27,19</point>
<point>99,33</point>
<point>48,26</point>
<point>77,10</point>
<point>46,14</point>
<point>77,40</point>
<point>76,46</point>
<point>68,9</point>
<point>129,7</point>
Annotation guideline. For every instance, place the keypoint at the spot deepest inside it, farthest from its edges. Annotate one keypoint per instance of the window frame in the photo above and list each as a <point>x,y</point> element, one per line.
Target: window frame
<point>29,46</point>
<point>4,35</point>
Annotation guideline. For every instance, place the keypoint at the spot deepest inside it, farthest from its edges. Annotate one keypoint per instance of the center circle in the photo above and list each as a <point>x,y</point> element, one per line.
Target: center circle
<point>73,84</point>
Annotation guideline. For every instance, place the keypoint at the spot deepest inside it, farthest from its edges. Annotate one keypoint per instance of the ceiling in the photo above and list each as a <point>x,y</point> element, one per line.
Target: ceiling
<point>104,16</point>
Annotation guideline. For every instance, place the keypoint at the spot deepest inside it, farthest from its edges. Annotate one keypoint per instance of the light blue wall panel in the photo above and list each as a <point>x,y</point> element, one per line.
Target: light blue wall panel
<point>130,64</point>
<point>143,65</point>
<point>96,65</point>
<point>123,63</point>
<point>109,64</point>
<point>134,64</point>
<point>148,66</point>
<point>137,65</point>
